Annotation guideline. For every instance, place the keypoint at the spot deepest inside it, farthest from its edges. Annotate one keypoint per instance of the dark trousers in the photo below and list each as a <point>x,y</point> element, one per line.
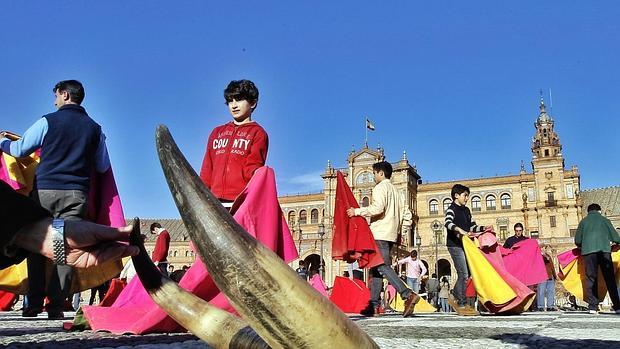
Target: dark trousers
<point>460,264</point>
<point>385,270</point>
<point>69,205</point>
<point>592,263</point>
<point>163,267</point>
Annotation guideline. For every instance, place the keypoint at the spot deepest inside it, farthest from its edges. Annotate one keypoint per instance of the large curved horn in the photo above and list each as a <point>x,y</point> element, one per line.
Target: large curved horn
<point>283,309</point>
<point>217,327</point>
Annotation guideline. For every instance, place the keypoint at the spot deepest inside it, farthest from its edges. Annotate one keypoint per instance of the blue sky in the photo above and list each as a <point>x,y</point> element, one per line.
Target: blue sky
<point>455,84</point>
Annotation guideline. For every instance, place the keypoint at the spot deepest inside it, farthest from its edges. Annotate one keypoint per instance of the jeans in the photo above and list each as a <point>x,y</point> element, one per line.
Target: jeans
<point>384,270</point>
<point>592,263</point>
<point>414,284</point>
<point>69,205</point>
<point>443,305</point>
<point>460,264</point>
<point>546,290</point>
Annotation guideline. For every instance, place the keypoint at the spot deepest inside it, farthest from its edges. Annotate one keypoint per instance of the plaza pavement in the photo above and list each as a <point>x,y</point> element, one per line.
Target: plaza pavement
<point>532,330</point>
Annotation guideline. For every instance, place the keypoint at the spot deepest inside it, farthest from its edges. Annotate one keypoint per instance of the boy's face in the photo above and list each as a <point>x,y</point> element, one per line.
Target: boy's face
<point>379,176</point>
<point>461,199</point>
<point>241,110</point>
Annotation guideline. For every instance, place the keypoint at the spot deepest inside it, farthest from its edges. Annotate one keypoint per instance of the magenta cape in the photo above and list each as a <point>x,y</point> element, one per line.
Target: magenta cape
<point>257,210</point>
<point>524,261</point>
<point>352,240</point>
<point>318,284</point>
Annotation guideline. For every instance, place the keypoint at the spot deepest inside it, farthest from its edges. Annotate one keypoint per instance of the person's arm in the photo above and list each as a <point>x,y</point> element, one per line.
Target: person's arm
<point>613,233</point>
<point>424,270</point>
<point>30,141</point>
<point>378,204</point>
<point>206,169</point>
<point>102,159</point>
<point>257,156</point>
<point>449,223</point>
<point>579,234</point>
<point>402,261</point>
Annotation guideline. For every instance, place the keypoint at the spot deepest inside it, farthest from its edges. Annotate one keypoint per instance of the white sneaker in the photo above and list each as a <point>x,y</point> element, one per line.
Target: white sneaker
<point>592,311</point>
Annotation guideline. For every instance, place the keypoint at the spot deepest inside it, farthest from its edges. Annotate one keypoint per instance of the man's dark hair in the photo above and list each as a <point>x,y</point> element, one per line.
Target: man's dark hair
<point>594,207</point>
<point>241,90</point>
<point>434,276</point>
<point>155,225</point>
<point>414,253</point>
<point>458,189</point>
<point>518,225</point>
<point>302,262</point>
<point>73,87</point>
<point>384,166</point>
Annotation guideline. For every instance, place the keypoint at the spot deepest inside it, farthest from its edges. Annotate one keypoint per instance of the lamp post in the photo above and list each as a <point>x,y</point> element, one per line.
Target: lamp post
<point>436,227</point>
<point>321,232</point>
<point>300,236</point>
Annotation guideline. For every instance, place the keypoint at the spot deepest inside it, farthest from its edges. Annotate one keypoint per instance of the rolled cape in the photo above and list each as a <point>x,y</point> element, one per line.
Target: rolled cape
<point>352,239</point>
<point>104,207</point>
<point>572,273</point>
<point>497,289</point>
<point>257,210</point>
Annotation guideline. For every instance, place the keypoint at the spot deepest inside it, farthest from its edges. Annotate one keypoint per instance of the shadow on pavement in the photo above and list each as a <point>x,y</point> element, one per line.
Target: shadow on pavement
<point>536,341</point>
<point>117,341</point>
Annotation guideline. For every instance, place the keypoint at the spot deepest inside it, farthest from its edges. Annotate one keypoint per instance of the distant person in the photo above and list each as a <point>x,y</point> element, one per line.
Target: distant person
<point>385,212</point>
<point>460,225</point>
<point>594,235</point>
<point>355,271</point>
<point>162,245</point>
<point>444,294</point>
<point>518,236</point>
<point>72,148</point>
<point>236,149</point>
<point>170,269</point>
<point>432,287</point>
<point>415,270</point>
<point>546,289</point>
<point>301,270</point>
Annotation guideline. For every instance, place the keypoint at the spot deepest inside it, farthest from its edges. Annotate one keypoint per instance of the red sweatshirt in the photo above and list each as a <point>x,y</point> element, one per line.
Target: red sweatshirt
<point>160,254</point>
<point>233,153</point>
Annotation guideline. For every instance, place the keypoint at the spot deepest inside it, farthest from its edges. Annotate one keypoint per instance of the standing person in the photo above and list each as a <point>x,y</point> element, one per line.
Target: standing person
<point>301,270</point>
<point>459,224</point>
<point>518,236</point>
<point>444,294</point>
<point>546,289</point>
<point>72,147</point>
<point>385,221</point>
<point>594,234</point>
<point>432,287</point>
<point>415,270</point>
<point>236,149</point>
<point>160,253</point>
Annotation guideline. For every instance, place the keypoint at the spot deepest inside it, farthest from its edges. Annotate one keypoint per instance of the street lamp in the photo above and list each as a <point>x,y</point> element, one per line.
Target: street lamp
<point>300,236</point>
<point>436,227</point>
<point>322,235</point>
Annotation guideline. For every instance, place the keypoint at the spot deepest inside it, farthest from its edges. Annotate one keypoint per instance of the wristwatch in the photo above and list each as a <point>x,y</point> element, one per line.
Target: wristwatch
<point>58,241</point>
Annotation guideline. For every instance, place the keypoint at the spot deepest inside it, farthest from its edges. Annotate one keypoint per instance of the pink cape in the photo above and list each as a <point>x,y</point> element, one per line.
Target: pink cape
<point>525,262</point>
<point>258,211</point>
<point>318,284</point>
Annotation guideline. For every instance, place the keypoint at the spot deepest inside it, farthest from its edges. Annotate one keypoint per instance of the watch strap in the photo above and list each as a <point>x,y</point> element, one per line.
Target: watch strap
<point>58,241</point>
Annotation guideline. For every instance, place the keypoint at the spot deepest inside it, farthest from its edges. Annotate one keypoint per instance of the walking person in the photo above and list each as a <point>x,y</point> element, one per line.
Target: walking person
<point>385,222</point>
<point>162,245</point>
<point>415,270</point>
<point>72,147</point>
<point>444,293</point>
<point>594,235</point>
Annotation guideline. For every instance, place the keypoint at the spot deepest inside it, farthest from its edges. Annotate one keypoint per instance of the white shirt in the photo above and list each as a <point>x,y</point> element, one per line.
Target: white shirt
<point>384,211</point>
<point>415,268</point>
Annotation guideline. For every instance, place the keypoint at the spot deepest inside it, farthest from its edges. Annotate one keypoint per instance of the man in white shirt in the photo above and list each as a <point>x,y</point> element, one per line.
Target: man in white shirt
<point>415,270</point>
<point>385,220</point>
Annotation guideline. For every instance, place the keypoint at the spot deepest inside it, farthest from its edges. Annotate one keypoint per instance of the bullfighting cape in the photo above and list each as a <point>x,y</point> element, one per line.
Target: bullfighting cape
<point>104,207</point>
<point>573,273</point>
<point>352,239</point>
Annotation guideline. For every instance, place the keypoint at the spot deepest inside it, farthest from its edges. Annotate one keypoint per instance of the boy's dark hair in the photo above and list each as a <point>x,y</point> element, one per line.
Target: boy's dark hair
<point>73,87</point>
<point>518,225</point>
<point>594,207</point>
<point>241,90</point>
<point>434,276</point>
<point>155,225</point>
<point>302,262</point>
<point>458,189</point>
<point>384,166</point>
<point>414,253</point>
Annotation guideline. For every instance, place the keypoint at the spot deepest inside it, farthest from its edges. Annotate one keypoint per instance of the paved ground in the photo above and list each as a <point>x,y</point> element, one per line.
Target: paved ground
<point>532,330</point>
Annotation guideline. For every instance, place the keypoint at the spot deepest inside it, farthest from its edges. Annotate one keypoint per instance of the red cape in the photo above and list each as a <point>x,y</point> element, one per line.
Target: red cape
<point>352,238</point>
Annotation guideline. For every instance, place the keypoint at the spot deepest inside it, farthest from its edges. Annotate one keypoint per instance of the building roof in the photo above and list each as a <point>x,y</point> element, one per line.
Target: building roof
<point>175,227</point>
<point>608,198</point>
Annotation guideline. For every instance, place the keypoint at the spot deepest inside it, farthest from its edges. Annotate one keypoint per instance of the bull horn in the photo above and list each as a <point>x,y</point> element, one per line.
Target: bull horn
<point>283,309</point>
<point>217,327</point>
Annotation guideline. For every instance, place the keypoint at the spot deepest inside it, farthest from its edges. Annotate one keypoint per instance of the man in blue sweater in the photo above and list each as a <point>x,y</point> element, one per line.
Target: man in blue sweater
<point>72,147</point>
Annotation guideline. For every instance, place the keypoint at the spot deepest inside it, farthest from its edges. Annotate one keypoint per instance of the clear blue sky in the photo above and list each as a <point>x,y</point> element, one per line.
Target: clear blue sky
<point>453,83</point>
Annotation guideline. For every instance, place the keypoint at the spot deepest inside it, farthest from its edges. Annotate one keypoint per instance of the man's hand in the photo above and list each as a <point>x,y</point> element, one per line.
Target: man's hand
<point>488,228</point>
<point>86,244</point>
<point>351,212</point>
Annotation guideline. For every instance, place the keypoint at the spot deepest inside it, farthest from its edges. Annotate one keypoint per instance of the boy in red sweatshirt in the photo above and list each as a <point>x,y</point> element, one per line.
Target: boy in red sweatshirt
<point>236,149</point>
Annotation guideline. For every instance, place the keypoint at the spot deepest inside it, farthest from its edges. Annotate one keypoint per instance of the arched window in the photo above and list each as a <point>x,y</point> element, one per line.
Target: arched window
<point>506,201</point>
<point>314,216</point>
<point>433,206</point>
<point>446,204</point>
<point>303,217</point>
<point>186,253</point>
<point>291,218</point>
<point>475,203</point>
<point>491,202</point>
<point>174,254</point>
<point>365,201</point>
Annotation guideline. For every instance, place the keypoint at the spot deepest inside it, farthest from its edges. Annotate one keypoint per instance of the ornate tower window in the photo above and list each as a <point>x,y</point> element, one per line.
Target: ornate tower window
<point>365,201</point>
<point>365,178</point>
